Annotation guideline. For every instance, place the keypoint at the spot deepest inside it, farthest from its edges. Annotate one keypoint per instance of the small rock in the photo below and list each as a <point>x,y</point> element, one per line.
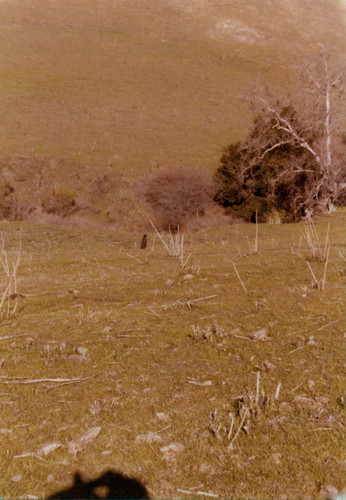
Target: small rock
<point>277,458</point>
<point>173,449</point>
<point>205,468</point>
<point>151,437</point>
<point>268,366</point>
<point>48,448</point>
<point>328,491</point>
<point>162,416</point>
<point>89,435</point>
<point>6,431</point>
<point>83,351</point>
<point>311,341</point>
<point>311,384</point>
<point>322,400</point>
<point>107,329</point>
<point>78,444</point>
<point>169,282</point>
<point>188,276</point>
<point>75,293</point>
<point>106,453</point>
<point>259,335</point>
<point>50,478</point>
<point>304,402</point>
<point>17,478</point>
<point>78,358</point>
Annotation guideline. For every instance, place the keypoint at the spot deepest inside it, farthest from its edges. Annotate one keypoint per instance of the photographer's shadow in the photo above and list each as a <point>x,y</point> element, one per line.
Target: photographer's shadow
<point>108,485</point>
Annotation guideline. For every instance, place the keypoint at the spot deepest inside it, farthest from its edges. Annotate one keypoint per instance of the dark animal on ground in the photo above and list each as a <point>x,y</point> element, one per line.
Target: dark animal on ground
<point>144,242</point>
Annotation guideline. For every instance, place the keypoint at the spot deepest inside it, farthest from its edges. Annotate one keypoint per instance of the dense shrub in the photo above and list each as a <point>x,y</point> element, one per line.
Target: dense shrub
<point>13,205</point>
<point>60,201</point>
<point>271,171</point>
<point>176,194</point>
<point>6,198</point>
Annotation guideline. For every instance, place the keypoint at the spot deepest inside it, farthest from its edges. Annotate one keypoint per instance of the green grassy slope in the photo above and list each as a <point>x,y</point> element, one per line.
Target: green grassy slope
<point>140,83</point>
<point>173,350</point>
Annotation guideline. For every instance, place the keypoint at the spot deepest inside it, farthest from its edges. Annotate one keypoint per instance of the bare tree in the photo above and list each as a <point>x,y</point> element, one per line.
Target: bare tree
<point>305,130</point>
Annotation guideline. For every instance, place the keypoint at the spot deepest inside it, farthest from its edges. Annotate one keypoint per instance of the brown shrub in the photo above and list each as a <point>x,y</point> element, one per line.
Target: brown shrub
<point>13,205</point>
<point>60,201</point>
<point>176,194</point>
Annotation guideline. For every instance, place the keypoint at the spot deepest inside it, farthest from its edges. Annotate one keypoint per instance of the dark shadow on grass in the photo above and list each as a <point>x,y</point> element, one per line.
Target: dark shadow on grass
<point>110,485</point>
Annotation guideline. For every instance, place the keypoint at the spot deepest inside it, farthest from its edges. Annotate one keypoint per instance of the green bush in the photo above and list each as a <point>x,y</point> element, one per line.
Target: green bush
<point>60,201</point>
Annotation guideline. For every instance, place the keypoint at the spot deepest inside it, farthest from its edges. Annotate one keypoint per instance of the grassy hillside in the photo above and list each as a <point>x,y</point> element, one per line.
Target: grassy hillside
<point>137,84</point>
<point>119,359</point>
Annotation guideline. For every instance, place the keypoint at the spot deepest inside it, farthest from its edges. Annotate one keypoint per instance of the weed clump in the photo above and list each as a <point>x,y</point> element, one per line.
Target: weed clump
<point>60,201</point>
<point>13,205</point>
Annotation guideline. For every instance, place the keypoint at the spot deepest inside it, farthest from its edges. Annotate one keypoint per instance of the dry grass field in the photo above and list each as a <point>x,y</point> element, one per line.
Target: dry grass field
<point>217,373</point>
<point>140,84</point>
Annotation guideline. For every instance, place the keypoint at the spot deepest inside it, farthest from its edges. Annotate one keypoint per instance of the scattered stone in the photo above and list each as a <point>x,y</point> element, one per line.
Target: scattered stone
<point>169,282</point>
<point>106,453</point>
<point>311,384</point>
<point>322,400</point>
<point>78,358</point>
<point>188,276</point>
<point>50,478</point>
<point>311,340</point>
<point>328,491</point>
<point>304,402</point>
<point>277,458</point>
<point>78,444</point>
<point>205,468</point>
<point>267,366</point>
<point>62,347</point>
<point>83,351</point>
<point>162,416</point>
<point>74,293</point>
<point>48,448</point>
<point>312,403</point>
<point>89,435</point>
<point>107,329</point>
<point>151,437</point>
<point>259,335</point>
<point>173,449</point>
<point>202,384</point>
<point>29,342</point>
<point>6,431</point>
<point>17,478</point>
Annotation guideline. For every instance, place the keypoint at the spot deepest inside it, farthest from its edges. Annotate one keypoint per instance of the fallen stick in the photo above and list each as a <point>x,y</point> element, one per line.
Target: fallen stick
<point>277,391</point>
<point>15,336</point>
<point>135,258</point>
<point>298,349</point>
<point>72,382</point>
<point>25,380</point>
<point>239,428</point>
<point>202,493</point>
<point>203,298</point>
<point>241,337</point>
<point>241,281</point>
<point>323,327</point>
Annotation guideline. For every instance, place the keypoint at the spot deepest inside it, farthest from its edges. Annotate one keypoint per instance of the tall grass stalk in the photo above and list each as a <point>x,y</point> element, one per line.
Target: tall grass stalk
<point>238,275</point>
<point>10,271</point>
<point>174,244</point>
<point>313,241</point>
